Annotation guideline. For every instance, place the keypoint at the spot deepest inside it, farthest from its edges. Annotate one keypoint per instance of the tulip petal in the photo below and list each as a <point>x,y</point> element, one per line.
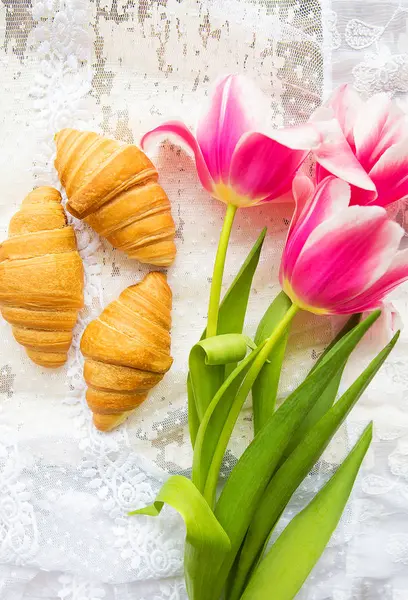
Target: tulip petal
<point>334,153</point>
<point>371,297</point>
<point>343,256</point>
<point>346,103</point>
<point>390,174</point>
<point>232,111</point>
<point>261,167</point>
<point>379,124</point>
<point>178,129</point>
<point>303,189</point>
<point>331,196</point>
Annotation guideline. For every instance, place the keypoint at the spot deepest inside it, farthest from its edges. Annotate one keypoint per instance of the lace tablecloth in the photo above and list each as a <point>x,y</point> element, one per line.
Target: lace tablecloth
<point>119,67</point>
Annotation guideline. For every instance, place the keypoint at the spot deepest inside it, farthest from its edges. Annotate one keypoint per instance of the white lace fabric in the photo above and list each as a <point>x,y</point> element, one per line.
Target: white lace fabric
<point>120,67</point>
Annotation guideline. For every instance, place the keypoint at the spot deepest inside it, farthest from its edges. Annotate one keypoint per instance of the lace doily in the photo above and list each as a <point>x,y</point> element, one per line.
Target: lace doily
<point>119,67</point>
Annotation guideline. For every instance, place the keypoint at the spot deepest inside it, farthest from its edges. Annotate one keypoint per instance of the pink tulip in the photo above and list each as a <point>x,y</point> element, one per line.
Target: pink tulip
<point>377,133</point>
<point>239,165</point>
<point>339,259</point>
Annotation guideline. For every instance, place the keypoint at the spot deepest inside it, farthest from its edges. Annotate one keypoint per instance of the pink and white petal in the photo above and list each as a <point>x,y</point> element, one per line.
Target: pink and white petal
<point>234,108</point>
<point>282,199</point>
<point>390,174</point>
<point>320,173</point>
<point>179,130</point>
<point>263,168</point>
<point>300,137</point>
<point>370,298</point>
<point>335,155</point>
<point>346,102</point>
<point>331,197</point>
<point>343,256</point>
<point>379,124</point>
<point>385,327</point>
<point>363,197</point>
<point>303,189</point>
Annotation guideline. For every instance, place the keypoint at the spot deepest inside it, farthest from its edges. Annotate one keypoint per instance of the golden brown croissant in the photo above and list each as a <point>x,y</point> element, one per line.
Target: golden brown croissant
<point>113,187</point>
<point>41,278</point>
<point>127,350</point>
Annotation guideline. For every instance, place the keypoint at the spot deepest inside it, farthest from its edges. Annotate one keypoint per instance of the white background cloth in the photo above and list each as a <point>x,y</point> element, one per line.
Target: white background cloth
<point>120,67</point>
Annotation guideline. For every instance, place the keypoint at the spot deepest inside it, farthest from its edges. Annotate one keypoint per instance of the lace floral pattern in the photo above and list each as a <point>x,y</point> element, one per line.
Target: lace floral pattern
<point>65,489</point>
<point>18,526</point>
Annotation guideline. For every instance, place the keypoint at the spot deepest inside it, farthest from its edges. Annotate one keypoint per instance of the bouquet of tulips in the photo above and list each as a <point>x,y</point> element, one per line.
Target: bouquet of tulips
<point>341,258</point>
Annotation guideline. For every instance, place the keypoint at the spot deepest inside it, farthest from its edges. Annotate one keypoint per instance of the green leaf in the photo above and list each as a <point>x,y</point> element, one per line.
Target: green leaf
<point>294,470</point>
<point>328,396</point>
<point>238,402</point>
<point>298,548</point>
<point>235,510</point>
<point>193,420</point>
<point>233,307</point>
<point>206,541</point>
<point>214,418</point>
<point>265,388</point>
<point>230,320</point>
<point>209,354</point>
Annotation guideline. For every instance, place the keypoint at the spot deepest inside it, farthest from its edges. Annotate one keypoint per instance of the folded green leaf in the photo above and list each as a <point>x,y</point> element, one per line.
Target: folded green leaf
<point>234,510</point>
<point>214,419</point>
<point>206,363</point>
<point>238,402</point>
<point>193,420</point>
<point>294,470</point>
<point>230,320</point>
<point>291,558</point>
<point>265,388</point>
<point>206,541</point>
<point>328,396</point>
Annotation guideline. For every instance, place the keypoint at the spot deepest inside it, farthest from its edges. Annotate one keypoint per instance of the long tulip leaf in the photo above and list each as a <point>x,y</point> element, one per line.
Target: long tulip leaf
<point>206,541</point>
<point>214,419</point>
<point>256,466</point>
<point>265,388</point>
<point>290,560</point>
<point>328,396</point>
<point>206,363</point>
<point>231,318</point>
<point>290,475</point>
<point>233,307</point>
<point>237,404</point>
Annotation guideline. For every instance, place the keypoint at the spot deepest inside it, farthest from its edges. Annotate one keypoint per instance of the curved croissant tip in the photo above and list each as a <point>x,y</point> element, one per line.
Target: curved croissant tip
<point>151,277</point>
<point>62,133</point>
<point>108,422</point>
<point>43,194</point>
<point>159,274</point>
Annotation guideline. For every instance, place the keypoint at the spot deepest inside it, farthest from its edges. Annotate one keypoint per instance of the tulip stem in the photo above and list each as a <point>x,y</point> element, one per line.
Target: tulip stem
<point>215,293</point>
<point>253,372</point>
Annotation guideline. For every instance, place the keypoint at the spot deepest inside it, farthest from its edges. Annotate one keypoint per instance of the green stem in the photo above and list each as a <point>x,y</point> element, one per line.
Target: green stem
<point>213,473</point>
<point>215,293</point>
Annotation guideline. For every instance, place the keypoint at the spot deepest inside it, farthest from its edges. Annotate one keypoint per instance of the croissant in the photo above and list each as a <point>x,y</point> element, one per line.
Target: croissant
<point>41,278</point>
<point>127,350</point>
<point>113,187</point>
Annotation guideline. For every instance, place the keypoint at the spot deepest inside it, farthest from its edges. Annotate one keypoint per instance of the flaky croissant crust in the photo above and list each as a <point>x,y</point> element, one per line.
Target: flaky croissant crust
<point>113,187</point>
<point>41,278</point>
<point>127,350</point>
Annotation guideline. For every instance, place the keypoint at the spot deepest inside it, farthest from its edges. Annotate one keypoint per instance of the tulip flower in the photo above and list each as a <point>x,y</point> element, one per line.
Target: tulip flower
<point>242,166</point>
<point>339,259</point>
<point>239,164</point>
<point>377,133</point>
